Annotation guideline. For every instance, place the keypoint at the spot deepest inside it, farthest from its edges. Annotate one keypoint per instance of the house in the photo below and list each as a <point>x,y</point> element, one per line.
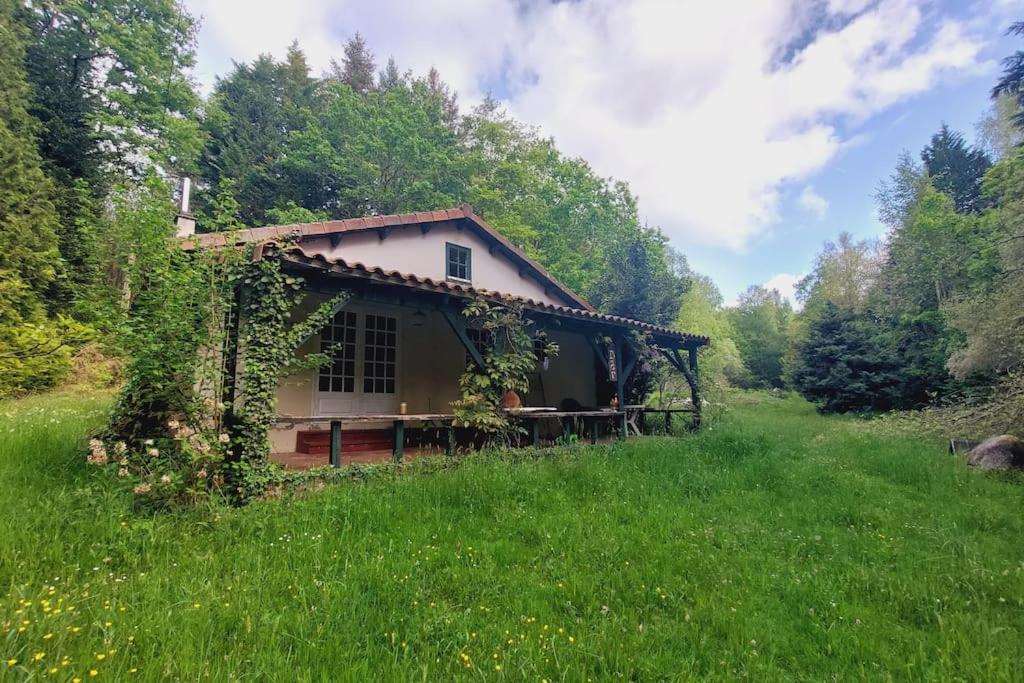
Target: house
<point>400,345</point>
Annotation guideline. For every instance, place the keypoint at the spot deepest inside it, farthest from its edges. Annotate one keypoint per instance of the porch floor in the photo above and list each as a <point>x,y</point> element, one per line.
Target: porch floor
<point>306,461</point>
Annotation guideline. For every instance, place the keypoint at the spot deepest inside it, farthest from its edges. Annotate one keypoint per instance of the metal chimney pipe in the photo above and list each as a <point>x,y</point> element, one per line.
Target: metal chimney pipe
<point>186,189</point>
<point>186,222</point>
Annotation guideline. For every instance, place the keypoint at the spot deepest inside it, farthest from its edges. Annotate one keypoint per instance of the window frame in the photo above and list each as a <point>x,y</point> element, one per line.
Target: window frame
<point>449,248</point>
<point>358,347</point>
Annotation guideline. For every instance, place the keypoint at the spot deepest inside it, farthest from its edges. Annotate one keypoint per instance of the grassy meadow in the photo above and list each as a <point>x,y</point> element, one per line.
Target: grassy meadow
<point>777,544</point>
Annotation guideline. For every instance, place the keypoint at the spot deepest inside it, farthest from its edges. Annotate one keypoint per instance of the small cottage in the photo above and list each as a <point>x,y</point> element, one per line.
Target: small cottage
<point>400,345</point>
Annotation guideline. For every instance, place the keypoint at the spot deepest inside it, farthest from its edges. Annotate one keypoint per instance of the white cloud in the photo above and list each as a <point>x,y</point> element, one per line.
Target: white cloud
<point>785,283</point>
<point>812,202</point>
<point>691,102</point>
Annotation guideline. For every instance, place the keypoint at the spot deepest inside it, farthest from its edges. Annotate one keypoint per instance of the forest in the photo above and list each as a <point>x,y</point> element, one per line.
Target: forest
<point>101,119</point>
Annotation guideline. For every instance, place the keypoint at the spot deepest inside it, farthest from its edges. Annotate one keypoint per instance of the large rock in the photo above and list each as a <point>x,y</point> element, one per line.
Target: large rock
<point>998,453</point>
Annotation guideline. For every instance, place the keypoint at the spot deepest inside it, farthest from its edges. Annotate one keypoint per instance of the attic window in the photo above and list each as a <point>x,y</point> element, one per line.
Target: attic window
<point>459,262</point>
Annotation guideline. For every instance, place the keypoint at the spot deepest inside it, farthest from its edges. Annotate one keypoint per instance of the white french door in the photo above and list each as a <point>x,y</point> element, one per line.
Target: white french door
<point>362,377</point>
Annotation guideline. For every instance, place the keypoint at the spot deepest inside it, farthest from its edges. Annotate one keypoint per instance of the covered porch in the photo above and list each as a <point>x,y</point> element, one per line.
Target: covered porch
<point>400,346</point>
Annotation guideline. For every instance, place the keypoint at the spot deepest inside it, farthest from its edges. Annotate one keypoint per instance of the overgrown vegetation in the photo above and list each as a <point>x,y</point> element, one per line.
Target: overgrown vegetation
<point>100,100</point>
<point>928,319</point>
<point>510,354</point>
<point>192,415</point>
<point>778,545</point>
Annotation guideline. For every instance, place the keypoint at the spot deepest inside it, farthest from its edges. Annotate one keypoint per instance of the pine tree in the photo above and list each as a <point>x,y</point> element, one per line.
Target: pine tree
<point>390,77</point>
<point>844,365</point>
<point>357,68</point>
<point>1012,81</point>
<point>448,99</point>
<point>956,168</point>
<point>28,217</point>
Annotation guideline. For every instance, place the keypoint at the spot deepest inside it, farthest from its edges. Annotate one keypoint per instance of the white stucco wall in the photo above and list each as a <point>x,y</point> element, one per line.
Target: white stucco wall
<point>410,251</point>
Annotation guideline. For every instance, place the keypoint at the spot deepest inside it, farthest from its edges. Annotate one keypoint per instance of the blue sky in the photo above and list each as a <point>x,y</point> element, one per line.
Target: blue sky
<point>848,183</point>
<point>750,137</point>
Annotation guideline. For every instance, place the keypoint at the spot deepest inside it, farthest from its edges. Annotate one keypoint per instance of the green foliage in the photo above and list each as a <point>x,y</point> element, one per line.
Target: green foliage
<point>647,281</point>
<point>357,69</point>
<point>761,321</point>
<point>340,148</point>
<point>267,343</point>
<point>35,349</point>
<point>992,319</point>
<point>847,554</point>
<point>701,312</point>
<point>845,273</point>
<point>178,438</point>
<point>1011,83</point>
<point>956,169</point>
<point>290,213</point>
<point>110,87</point>
<point>508,360</point>
<point>842,366</point>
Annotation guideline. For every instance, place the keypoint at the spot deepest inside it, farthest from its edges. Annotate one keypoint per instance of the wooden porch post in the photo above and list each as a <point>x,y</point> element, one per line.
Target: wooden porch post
<point>620,385</point>
<point>335,443</point>
<point>689,370</point>
<point>399,440</point>
<point>694,382</point>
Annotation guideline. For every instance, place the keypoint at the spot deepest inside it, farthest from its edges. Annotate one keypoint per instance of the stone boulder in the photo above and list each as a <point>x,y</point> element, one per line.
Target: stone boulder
<point>998,453</point>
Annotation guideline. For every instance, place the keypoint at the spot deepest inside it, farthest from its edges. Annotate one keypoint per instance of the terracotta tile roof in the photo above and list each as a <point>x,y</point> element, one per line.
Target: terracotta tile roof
<point>464,212</point>
<point>297,255</point>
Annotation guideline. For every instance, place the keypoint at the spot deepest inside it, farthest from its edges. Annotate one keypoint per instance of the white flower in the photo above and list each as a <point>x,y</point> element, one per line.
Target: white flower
<point>123,472</point>
<point>97,458</point>
<point>144,487</point>
<point>147,442</point>
<point>224,438</point>
<point>201,474</point>
<point>173,424</point>
<point>153,452</point>
<point>166,479</point>
<point>120,448</point>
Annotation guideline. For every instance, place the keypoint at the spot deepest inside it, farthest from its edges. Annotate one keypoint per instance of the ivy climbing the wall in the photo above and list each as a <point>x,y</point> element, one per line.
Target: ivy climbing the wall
<point>267,343</point>
<point>509,357</point>
<point>210,335</point>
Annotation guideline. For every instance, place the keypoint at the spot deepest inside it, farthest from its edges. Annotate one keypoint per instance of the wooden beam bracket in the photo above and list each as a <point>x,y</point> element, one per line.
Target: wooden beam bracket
<point>458,325</point>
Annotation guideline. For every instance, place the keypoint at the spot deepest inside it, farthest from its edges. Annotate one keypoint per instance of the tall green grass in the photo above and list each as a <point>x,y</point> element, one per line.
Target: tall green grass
<point>777,544</point>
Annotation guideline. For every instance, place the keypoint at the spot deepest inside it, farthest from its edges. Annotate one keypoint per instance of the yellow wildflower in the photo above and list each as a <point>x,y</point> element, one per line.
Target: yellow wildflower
<point>38,656</point>
<point>12,662</point>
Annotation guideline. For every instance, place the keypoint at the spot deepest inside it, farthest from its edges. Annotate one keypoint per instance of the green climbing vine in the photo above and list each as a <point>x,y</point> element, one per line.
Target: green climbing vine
<point>192,419</point>
<point>510,354</point>
<point>267,343</point>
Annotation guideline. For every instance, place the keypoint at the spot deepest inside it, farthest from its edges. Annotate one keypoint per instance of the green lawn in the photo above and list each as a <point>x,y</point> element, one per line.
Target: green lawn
<point>778,544</point>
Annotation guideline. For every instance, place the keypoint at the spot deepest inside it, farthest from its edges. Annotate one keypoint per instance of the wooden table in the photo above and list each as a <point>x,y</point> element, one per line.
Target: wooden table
<point>591,417</point>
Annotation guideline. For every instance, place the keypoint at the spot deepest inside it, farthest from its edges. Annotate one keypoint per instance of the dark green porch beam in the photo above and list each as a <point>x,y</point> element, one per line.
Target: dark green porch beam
<point>458,325</point>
